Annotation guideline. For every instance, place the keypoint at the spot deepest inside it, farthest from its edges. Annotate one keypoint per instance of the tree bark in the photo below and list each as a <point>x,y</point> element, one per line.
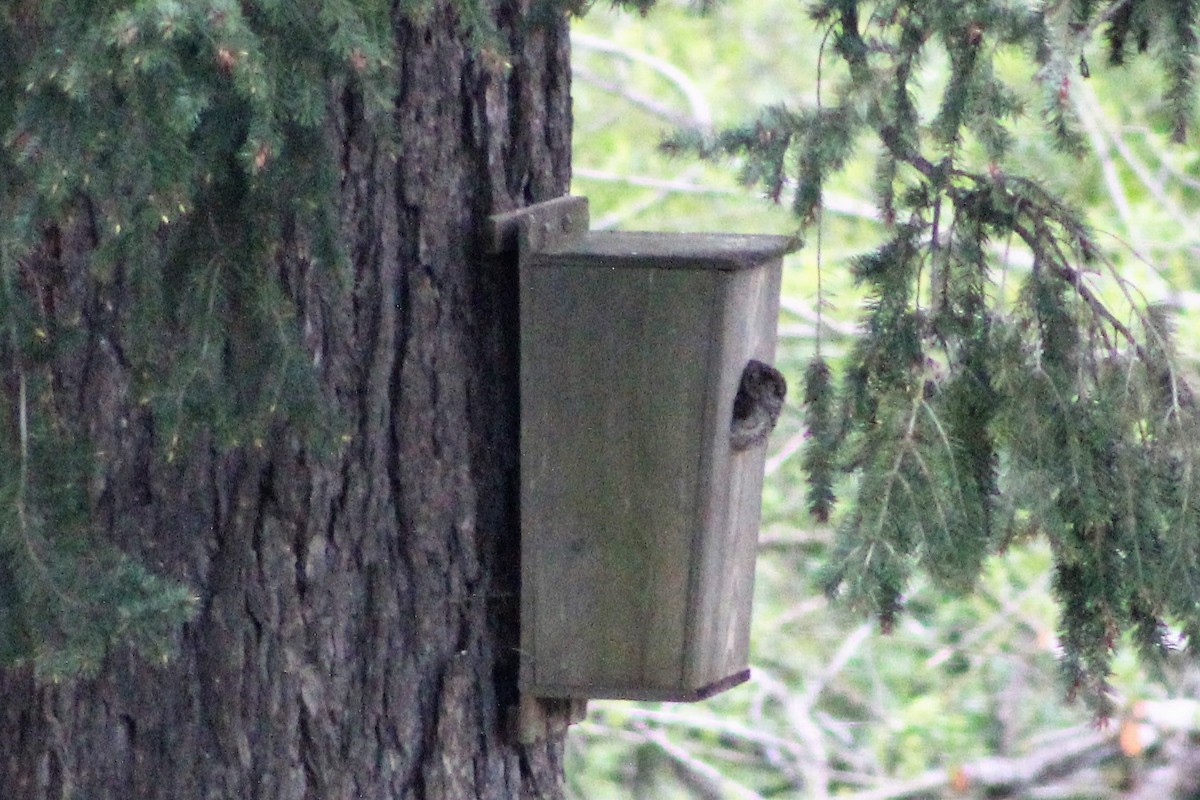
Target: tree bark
<point>357,619</point>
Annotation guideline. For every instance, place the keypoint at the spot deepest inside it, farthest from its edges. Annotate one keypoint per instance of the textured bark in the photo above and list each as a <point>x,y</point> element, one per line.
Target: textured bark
<point>357,622</point>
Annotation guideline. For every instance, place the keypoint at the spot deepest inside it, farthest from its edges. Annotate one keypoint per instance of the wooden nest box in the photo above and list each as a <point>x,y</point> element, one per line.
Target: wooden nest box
<point>640,498</point>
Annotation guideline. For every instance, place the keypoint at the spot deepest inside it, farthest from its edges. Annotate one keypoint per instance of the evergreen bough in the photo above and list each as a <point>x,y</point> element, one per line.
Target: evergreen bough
<point>967,415</point>
<point>180,140</point>
<point>963,419</point>
<point>183,140</point>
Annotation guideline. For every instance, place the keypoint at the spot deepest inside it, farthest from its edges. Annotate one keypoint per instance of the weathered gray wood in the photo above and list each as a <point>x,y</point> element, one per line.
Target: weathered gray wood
<point>639,524</point>
<point>544,223</point>
<point>724,558</point>
<point>613,397</point>
<point>643,249</point>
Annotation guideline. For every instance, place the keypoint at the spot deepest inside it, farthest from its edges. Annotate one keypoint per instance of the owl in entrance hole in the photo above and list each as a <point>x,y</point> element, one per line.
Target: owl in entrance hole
<point>757,405</point>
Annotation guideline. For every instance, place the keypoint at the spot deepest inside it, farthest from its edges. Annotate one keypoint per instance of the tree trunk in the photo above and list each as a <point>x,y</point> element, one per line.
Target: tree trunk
<point>357,619</point>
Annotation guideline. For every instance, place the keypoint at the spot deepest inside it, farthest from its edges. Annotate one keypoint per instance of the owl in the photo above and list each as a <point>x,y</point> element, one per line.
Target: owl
<point>757,405</point>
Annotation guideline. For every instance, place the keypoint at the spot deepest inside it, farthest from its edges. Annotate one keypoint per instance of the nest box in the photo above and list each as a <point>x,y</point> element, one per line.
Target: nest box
<point>639,501</point>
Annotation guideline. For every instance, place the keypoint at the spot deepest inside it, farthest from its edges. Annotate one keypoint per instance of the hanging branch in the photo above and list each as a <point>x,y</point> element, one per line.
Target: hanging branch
<point>1051,406</point>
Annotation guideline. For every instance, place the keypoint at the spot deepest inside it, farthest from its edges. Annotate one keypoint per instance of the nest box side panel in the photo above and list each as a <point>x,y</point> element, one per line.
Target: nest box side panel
<point>722,586</point>
<point>613,368</point>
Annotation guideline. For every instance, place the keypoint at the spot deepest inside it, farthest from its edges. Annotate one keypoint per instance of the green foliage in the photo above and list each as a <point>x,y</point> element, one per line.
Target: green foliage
<point>818,455</point>
<point>1171,25</point>
<point>187,140</point>
<point>831,704</point>
<point>162,123</point>
<point>184,140</point>
<point>64,598</point>
<point>971,414</point>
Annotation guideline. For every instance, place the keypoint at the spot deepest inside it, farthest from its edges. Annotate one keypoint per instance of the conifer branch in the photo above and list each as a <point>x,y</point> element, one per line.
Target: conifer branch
<point>1086,459</point>
<point>1072,277</point>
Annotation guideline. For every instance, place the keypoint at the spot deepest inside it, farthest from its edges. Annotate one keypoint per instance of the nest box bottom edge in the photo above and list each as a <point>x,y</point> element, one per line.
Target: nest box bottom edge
<point>650,694</point>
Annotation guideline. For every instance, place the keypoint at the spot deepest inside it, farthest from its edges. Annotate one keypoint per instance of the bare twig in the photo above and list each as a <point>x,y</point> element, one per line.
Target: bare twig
<point>785,452</point>
<point>702,721</point>
<point>992,774</point>
<point>1100,146</point>
<point>633,97</point>
<point>1087,105</point>
<point>816,767</point>
<point>704,773</point>
<point>666,184</point>
<point>699,110</point>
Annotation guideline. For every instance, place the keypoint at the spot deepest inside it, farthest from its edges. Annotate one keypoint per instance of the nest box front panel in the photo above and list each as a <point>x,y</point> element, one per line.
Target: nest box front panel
<point>615,367</point>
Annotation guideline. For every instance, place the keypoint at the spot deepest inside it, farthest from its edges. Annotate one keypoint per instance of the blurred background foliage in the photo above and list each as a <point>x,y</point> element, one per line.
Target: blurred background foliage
<point>963,698</point>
